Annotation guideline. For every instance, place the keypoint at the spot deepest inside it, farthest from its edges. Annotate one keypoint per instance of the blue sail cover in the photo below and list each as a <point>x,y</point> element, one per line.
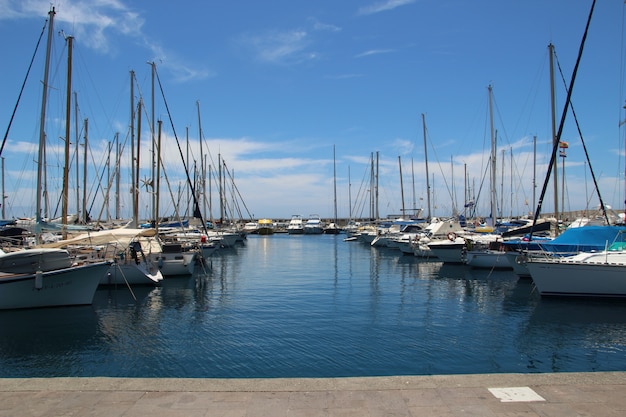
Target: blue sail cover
<point>585,239</point>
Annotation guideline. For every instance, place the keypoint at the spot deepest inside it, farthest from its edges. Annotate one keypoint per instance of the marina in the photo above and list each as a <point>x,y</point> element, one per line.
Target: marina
<point>302,306</point>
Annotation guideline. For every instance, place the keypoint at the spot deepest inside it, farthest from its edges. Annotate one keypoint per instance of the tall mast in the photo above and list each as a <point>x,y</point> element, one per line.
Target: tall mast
<point>335,182</point>
<point>77,139</point>
<point>377,160</point>
<point>349,195</point>
<point>4,215</point>
<point>534,171</point>
<point>426,160</point>
<point>133,187</point>
<point>42,122</point>
<point>401,186</point>
<point>66,167</point>
<point>117,177</point>
<point>85,215</point>
<point>372,174</point>
<point>136,185</point>
<point>555,139</point>
<point>202,161</point>
<point>158,178</point>
<point>493,160</point>
<point>154,158</point>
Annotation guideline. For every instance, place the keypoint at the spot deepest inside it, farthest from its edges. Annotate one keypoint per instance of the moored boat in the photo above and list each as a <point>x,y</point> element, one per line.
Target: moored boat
<point>588,274</point>
<point>47,278</point>
<point>296,225</point>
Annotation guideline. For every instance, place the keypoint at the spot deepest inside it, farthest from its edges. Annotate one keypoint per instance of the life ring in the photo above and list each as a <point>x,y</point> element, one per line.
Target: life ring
<point>451,236</point>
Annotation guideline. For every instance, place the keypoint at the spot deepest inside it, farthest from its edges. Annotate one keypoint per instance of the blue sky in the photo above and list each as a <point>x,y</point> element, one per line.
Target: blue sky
<point>280,83</point>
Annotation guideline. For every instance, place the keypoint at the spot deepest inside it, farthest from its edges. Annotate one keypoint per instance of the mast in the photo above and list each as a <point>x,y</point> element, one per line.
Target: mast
<point>4,216</point>
<point>555,139</point>
<point>535,171</point>
<point>158,178</point>
<point>136,184</point>
<point>117,177</point>
<point>349,195</point>
<point>493,160</point>
<point>154,157</point>
<point>202,161</point>
<point>426,159</point>
<point>377,160</point>
<point>42,122</point>
<point>66,167</point>
<point>552,163</point>
<point>85,215</point>
<point>401,185</point>
<point>187,159</point>
<point>335,183</point>
<point>221,189</point>
<point>133,180</point>
<point>77,139</point>
<point>372,210</point>
<point>415,211</point>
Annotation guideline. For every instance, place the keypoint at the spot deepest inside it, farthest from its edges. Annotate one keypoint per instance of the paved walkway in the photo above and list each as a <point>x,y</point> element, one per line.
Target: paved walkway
<point>600,394</point>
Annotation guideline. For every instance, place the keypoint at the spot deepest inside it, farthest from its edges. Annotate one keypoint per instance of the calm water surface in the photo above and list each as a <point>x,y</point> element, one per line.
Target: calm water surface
<point>315,306</point>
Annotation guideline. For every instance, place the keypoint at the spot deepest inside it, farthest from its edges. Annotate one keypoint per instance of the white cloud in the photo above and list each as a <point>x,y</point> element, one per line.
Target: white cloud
<point>280,47</point>
<point>373,52</point>
<point>383,6</point>
<point>96,23</point>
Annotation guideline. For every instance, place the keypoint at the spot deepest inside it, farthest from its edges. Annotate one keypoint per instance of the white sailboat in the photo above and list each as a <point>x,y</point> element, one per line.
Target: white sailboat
<point>587,274</point>
<point>126,249</point>
<point>40,277</point>
<point>493,256</point>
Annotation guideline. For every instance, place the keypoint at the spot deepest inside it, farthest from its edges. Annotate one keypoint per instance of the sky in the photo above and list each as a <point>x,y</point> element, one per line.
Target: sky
<point>298,97</point>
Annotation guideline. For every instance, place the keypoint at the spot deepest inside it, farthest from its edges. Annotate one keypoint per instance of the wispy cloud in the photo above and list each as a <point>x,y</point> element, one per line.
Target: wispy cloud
<point>383,6</point>
<point>317,25</point>
<point>91,21</point>
<point>97,23</point>
<point>373,52</point>
<point>280,47</point>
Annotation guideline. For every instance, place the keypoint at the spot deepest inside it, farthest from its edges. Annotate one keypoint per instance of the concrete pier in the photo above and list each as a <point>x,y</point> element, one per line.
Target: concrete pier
<point>600,394</point>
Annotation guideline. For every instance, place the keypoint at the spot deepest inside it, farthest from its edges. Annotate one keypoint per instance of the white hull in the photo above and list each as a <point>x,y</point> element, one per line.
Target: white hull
<point>518,263</point>
<point>596,275</point>
<point>488,259</point>
<point>449,251</point>
<point>28,261</point>
<point>64,287</point>
<point>131,273</point>
<point>178,263</point>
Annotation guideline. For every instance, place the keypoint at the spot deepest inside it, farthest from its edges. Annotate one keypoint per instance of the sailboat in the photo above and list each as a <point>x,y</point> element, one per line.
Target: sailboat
<point>493,256</point>
<point>332,228</point>
<point>41,277</point>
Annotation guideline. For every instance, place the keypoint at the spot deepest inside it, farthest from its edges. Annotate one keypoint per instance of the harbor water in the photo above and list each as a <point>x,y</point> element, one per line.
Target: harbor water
<point>316,306</point>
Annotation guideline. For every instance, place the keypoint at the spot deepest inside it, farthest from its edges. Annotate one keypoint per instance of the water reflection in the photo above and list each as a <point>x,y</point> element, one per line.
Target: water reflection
<point>315,306</point>
<point>46,342</point>
<point>574,335</point>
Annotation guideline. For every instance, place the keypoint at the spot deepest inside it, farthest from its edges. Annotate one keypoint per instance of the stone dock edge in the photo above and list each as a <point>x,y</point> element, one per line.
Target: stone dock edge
<point>309,384</point>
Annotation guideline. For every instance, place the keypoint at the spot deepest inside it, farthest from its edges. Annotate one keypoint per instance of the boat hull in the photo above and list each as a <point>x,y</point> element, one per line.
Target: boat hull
<point>64,287</point>
<point>488,259</point>
<point>131,273</point>
<point>562,278</point>
<point>449,252</point>
<point>170,264</point>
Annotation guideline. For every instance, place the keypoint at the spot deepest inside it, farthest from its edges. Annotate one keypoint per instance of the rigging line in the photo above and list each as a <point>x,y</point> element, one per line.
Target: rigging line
<point>582,140</point>
<point>19,97</point>
<point>562,122</point>
<point>236,189</point>
<point>182,156</point>
<point>445,181</point>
